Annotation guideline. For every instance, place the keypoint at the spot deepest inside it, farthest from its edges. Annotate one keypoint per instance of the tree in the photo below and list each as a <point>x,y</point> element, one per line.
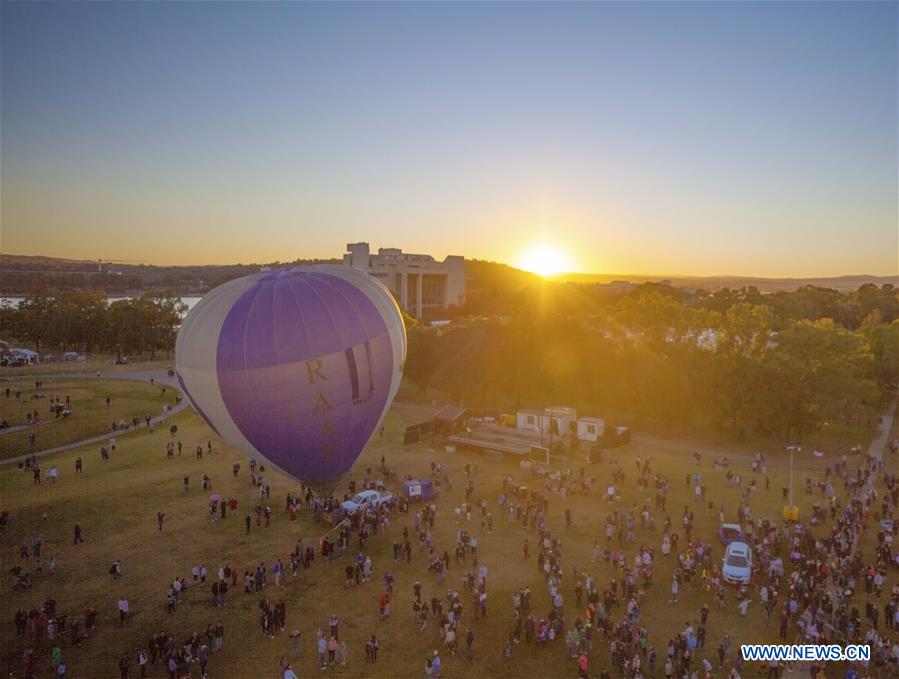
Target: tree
<point>821,372</point>
<point>421,357</point>
<point>884,342</point>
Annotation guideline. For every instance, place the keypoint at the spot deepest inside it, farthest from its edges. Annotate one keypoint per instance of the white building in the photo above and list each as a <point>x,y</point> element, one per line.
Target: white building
<point>26,355</point>
<point>591,429</point>
<point>529,419</point>
<point>555,419</point>
<point>421,285</point>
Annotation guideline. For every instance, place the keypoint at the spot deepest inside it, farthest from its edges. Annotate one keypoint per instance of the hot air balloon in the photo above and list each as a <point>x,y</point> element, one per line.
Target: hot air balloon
<point>297,367</point>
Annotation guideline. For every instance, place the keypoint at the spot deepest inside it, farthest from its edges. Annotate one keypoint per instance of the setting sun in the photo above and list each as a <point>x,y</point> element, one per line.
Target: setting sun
<point>545,260</point>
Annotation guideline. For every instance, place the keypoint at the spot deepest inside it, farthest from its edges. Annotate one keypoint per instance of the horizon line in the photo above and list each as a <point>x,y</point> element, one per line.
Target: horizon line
<point>557,276</point>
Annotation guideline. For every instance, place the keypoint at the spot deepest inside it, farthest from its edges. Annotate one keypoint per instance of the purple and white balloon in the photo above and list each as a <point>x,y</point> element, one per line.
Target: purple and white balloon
<point>297,367</point>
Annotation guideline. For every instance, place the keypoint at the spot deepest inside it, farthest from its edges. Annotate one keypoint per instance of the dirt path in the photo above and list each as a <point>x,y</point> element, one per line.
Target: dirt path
<point>879,444</point>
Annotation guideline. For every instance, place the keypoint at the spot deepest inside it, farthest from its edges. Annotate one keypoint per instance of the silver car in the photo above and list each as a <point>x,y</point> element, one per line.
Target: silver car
<point>737,564</point>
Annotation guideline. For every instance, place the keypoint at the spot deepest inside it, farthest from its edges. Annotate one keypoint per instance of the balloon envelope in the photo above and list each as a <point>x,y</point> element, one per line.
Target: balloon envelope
<point>297,367</point>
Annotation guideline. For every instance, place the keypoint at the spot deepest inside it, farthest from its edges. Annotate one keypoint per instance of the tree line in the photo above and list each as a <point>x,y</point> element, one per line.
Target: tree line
<point>84,321</point>
<point>25,275</point>
<point>740,362</point>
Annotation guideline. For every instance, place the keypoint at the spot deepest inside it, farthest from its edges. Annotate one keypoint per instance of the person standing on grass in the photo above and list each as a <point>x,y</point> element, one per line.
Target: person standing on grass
<point>124,666</point>
<point>123,609</point>
<point>384,606</point>
<point>295,643</point>
<point>322,650</point>
<point>203,658</point>
<point>583,665</point>
<point>142,662</point>
<point>55,657</point>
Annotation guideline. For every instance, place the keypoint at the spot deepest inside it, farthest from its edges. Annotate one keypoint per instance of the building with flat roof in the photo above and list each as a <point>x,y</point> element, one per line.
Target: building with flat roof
<point>421,285</point>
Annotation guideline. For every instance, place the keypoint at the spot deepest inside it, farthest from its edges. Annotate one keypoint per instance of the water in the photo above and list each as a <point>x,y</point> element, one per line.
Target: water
<point>190,301</point>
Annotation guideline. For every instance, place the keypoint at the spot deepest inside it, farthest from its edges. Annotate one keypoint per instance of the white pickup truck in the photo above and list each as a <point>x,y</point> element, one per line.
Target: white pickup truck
<point>366,499</point>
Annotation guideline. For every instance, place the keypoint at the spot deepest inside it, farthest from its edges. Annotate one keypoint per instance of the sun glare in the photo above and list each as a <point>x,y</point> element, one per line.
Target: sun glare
<point>545,260</point>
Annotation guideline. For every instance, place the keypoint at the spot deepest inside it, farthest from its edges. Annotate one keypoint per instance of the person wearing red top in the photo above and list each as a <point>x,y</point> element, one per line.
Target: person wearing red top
<point>582,665</point>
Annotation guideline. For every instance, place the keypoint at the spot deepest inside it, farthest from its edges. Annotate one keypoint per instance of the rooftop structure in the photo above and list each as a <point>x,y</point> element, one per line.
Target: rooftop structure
<point>421,285</point>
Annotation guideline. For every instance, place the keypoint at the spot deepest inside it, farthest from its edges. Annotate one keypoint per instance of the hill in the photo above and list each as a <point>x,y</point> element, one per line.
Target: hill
<point>846,283</point>
<point>24,274</point>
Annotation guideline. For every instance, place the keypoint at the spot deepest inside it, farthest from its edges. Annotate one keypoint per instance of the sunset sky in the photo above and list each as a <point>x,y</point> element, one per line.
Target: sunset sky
<point>696,139</point>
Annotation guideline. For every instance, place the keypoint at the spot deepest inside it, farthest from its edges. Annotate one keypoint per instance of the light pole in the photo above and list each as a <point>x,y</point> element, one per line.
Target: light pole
<point>793,450</point>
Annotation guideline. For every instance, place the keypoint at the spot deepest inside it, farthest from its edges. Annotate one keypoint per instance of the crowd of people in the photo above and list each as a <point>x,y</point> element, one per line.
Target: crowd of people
<point>809,576</point>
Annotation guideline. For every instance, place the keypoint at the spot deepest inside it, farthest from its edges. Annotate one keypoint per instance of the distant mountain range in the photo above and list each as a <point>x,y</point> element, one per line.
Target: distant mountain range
<point>841,283</point>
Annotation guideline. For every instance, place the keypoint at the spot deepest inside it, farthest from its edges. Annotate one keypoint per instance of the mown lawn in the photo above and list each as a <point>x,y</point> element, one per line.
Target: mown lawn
<point>89,367</point>
<point>90,417</point>
<point>116,503</point>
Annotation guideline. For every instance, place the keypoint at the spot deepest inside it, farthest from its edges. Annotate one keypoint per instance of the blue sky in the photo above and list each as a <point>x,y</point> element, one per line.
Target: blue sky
<point>682,138</point>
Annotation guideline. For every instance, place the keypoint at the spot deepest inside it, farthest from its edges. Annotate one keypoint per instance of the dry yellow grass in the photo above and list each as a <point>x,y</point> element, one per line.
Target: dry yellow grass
<point>91,416</point>
<point>116,503</point>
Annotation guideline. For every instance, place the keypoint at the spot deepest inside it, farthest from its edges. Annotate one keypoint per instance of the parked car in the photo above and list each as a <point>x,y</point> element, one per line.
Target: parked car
<point>367,499</point>
<point>737,564</point>
<point>730,532</point>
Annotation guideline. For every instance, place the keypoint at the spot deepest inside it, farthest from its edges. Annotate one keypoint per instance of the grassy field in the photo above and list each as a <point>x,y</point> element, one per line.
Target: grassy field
<point>116,503</point>
<point>834,437</point>
<point>103,363</point>
<point>90,417</point>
